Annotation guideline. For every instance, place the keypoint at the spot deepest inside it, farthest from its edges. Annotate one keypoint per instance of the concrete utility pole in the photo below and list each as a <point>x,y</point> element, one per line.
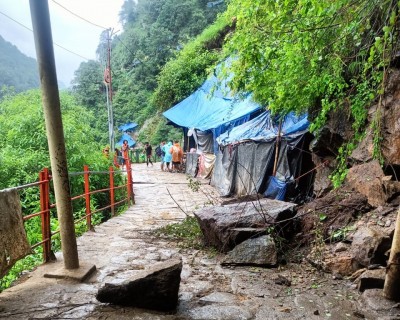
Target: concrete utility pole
<point>391,290</point>
<point>108,83</point>
<point>54,128</point>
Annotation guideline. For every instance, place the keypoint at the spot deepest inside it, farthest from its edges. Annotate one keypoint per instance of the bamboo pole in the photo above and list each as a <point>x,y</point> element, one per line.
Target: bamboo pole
<point>54,128</point>
<point>391,289</point>
<point>278,141</point>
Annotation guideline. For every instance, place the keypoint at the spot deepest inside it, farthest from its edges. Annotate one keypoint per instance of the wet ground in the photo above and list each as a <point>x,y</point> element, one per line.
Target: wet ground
<point>125,244</point>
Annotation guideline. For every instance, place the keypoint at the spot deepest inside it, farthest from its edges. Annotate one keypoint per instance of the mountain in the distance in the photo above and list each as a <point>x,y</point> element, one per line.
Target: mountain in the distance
<point>16,69</point>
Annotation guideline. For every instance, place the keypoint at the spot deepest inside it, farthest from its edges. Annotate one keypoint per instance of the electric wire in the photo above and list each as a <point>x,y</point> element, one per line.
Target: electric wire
<point>124,45</point>
<point>56,44</point>
<point>80,17</point>
<point>92,23</point>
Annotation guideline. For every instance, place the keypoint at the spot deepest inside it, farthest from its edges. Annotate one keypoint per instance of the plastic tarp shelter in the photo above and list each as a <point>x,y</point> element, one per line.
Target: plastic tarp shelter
<point>128,127</point>
<point>264,128</point>
<point>127,137</point>
<point>212,107</point>
<point>245,165</point>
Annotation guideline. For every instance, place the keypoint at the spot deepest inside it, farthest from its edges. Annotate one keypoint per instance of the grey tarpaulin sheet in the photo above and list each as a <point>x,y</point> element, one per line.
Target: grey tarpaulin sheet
<point>221,178</point>
<point>13,241</point>
<point>243,169</point>
<point>191,163</point>
<point>205,141</point>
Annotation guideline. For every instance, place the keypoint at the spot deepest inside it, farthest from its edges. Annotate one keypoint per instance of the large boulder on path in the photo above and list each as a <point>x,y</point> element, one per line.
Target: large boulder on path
<point>369,246</point>
<point>156,288</point>
<point>224,227</point>
<point>258,251</point>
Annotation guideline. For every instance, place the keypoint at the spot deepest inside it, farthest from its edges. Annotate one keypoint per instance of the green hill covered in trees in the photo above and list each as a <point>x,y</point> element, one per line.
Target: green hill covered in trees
<point>16,69</point>
<point>154,32</point>
<point>319,57</point>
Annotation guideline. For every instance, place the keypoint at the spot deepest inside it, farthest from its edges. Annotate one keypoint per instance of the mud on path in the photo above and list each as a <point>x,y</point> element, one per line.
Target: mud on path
<point>125,244</point>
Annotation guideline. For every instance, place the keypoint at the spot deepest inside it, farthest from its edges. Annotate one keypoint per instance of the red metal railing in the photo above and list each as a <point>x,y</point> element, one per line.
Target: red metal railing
<point>46,205</point>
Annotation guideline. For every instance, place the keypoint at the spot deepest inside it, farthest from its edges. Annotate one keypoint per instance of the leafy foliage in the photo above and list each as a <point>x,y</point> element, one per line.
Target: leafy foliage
<point>156,130</point>
<point>154,31</point>
<point>89,90</point>
<point>186,72</point>
<point>314,56</point>
<point>187,233</point>
<point>24,152</point>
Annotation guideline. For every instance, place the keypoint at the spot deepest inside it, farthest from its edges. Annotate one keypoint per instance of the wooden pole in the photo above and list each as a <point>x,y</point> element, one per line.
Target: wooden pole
<point>278,141</point>
<point>391,289</point>
<point>54,128</point>
<point>112,191</point>
<point>87,196</point>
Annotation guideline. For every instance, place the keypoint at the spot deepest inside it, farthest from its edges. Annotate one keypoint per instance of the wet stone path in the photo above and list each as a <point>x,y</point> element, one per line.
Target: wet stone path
<point>125,244</point>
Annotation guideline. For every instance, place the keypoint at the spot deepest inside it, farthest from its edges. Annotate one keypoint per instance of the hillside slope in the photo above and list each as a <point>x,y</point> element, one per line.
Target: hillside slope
<point>16,69</point>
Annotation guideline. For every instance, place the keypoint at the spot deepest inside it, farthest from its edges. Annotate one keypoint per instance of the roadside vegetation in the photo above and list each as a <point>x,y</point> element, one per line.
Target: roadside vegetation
<point>24,152</point>
<point>186,233</point>
<point>310,56</point>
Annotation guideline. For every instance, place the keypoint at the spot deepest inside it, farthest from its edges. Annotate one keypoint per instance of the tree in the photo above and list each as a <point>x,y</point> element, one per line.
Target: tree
<point>88,85</point>
<point>315,56</point>
<point>24,150</point>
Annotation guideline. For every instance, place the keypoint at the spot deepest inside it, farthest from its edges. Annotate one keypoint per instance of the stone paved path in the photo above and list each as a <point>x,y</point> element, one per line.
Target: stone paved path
<point>123,245</point>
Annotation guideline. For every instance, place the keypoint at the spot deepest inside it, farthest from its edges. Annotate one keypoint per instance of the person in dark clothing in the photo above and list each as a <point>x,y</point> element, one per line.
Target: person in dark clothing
<point>148,149</point>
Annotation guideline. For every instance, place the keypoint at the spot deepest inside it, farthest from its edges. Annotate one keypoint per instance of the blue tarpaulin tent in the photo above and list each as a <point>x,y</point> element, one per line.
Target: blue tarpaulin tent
<point>263,128</point>
<point>128,127</point>
<point>212,107</point>
<point>127,137</point>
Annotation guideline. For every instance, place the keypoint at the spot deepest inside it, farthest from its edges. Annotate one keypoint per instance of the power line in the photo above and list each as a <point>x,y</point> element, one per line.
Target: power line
<point>56,44</point>
<point>92,23</point>
<point>77,54</point>
<point>124,45</point>
<point>16,21</point>
<point>78,16</point>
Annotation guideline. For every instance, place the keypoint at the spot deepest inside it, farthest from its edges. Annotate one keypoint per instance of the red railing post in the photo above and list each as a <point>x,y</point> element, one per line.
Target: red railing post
<point>45,215</point>
<point>129,185</point>
<point>87,196</point>
<point>112,195</point>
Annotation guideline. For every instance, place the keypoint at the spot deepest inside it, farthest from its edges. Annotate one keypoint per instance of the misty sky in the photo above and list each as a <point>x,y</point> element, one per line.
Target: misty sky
<point>68,30</point>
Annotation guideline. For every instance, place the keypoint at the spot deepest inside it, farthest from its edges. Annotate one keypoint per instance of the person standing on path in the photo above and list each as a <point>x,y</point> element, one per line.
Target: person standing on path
<point>124,151</point>
<point>149,151</point>
<point>177,155</point>
<point>162,154</point>
<point>168,155</point>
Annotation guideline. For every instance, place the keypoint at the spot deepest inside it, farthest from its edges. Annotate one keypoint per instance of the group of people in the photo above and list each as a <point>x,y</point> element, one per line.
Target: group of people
<point>171,156</point>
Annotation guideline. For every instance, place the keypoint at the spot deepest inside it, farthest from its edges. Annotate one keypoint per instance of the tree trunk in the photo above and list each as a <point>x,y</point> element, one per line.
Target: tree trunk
<point>391,290</point>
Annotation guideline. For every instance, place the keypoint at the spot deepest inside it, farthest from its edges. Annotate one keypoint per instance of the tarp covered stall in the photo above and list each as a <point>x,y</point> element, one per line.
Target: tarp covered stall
<point>128,127</point>
<point>264,129</point>
<point>212,108</point>
<point>248,153</point>
<point>127,137</point>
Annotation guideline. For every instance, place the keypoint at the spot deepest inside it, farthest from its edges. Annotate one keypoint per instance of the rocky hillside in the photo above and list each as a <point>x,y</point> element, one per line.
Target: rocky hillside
<point>349,230</point>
